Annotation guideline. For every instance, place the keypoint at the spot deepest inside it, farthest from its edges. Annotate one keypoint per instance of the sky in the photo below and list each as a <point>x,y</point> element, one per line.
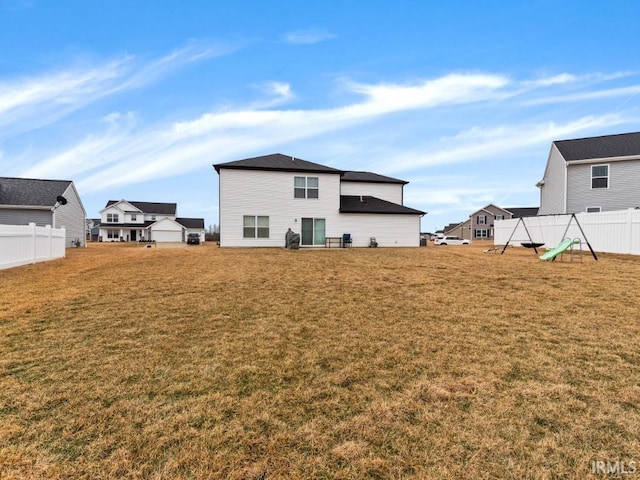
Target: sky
<point>462,99</point>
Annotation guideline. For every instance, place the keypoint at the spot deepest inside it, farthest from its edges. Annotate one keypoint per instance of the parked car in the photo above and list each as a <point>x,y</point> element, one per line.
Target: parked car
<point>449,240</point>
<point>193,239</point>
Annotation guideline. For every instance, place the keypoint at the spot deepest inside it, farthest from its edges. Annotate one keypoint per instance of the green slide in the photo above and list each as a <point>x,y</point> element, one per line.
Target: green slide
<point>554,252</point>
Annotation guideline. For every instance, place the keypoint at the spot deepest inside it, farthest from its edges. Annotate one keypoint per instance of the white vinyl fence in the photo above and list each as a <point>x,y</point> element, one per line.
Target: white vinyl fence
<point>612,232</point>
<point>24,244</point>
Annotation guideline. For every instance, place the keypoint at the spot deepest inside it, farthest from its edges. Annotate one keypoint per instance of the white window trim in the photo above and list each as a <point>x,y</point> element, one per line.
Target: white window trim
<point>306,188</point>
<point>608,177</point>
<point>485,230</point>
<point>256,227</point>
<point>484,219</point>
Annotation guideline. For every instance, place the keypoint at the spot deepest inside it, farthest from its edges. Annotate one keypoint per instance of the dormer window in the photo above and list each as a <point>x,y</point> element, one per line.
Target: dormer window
<point>112,218</point>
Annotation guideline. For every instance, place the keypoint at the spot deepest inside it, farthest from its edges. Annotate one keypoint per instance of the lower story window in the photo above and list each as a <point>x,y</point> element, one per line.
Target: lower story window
<point>482,233</point>
<point>113,233</point>
<point>255,226</point>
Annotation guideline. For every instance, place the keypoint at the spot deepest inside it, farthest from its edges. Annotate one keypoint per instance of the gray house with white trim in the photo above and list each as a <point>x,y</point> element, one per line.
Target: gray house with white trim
<point>261,198</point>
<point>594,174</point>
<point>28,200</point>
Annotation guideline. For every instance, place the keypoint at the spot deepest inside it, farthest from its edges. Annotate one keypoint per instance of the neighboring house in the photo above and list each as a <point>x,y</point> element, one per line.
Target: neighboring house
<point>129,221</point>
<point>93,229</point>
<point>262,197</point>
<point>482,221</point>
<point>480,224</point>
<point>594,174</point>
<point>461,229</point>
<point>43,202</point>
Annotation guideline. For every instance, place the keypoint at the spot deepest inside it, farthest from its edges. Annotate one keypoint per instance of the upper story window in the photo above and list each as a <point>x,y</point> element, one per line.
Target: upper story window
<point>134,218</point>
<point>593,209</point>
<point>305,187</point>
<point>499,217</point>
<point>599,176</point>
<point>112,218</point>
<point>482,219</point>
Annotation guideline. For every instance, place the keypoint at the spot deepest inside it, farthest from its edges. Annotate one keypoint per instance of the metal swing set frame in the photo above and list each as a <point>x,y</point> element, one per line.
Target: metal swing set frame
<point>536,245</point>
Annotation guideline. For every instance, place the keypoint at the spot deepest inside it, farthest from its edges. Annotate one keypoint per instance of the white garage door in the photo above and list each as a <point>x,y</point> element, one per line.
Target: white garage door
<point>167,236</point>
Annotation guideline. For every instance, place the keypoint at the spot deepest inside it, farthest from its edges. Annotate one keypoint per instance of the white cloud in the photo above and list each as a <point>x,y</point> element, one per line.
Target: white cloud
<point>128,152</point>
<point>309,36</point>
<point>29,103</point>
<point>478,143</point>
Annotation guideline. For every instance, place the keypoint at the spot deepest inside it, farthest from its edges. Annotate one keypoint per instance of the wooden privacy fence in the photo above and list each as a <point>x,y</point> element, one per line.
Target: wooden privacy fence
<point>612,232</point>
<point>24,244</point>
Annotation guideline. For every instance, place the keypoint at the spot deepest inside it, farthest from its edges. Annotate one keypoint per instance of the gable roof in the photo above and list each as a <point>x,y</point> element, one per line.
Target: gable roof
<point>519,212</point>
<point>369,177</point>
<point>277,162</point>
<point>484,209</point>
<point>149,207</point>
<point>367,204</point>
<point>31,192</point>
<point>191,222</point>
<point>606,146</point>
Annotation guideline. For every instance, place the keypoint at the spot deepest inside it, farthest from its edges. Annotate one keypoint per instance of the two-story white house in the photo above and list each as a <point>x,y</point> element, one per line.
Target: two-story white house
<point>594,174</point>
<point>128,221</point>
<point>262,197</point>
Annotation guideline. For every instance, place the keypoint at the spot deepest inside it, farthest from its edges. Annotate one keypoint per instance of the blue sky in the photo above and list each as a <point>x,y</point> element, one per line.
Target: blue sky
<point>462,99</point>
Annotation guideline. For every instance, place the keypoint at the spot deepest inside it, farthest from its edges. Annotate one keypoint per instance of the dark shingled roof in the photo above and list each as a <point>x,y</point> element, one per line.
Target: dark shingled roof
<point>277,162</point>
<point>191,222</point>
<point>369,177</point>
<point>150,207</point>
<point>31,192</point>
<point>519,212</point>
<point>367,204</point>
<point>606,146</point>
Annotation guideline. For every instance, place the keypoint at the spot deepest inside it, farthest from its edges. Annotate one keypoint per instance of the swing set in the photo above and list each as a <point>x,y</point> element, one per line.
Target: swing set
<point>551,254</point>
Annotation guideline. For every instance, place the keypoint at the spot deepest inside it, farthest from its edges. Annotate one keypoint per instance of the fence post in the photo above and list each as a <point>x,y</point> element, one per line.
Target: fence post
<point>34,242</point>
<point>64,242</point>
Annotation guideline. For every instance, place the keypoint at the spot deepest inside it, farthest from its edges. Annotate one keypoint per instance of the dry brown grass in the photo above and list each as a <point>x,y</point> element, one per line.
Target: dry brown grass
<point>439,362</point>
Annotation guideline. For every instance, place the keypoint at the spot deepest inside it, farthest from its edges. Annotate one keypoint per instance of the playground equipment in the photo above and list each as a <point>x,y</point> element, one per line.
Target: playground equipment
<point>567,244</point>
<point>551,254</point>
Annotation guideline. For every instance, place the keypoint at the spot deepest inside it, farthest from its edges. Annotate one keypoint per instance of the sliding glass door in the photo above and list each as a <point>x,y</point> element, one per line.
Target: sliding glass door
<point>313,231</point>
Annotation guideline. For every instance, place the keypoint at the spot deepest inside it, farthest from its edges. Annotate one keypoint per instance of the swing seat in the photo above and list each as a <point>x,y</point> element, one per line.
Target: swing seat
<point>532,244</point>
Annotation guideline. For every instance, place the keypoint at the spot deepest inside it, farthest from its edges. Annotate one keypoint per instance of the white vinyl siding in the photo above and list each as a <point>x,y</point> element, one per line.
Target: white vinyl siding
<point>391,192</point>
<point>389,230</point>
<point>269,194</point>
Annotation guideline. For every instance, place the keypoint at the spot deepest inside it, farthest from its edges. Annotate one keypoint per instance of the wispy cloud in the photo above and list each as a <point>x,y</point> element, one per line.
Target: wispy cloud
<point>129,152</point>
<point>309,36</point>
<point>28,103</point>
<point>480,143</point>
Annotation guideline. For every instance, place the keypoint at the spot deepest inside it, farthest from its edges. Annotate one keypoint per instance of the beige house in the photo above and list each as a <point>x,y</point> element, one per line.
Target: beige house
<point>480,224</point>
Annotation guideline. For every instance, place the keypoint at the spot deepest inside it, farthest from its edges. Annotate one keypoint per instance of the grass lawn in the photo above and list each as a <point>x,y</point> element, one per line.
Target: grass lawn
<point>200,362</point>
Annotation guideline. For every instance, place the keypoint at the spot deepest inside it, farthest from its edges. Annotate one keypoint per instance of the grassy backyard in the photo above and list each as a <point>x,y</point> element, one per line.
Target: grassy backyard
<point>200,362</point>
